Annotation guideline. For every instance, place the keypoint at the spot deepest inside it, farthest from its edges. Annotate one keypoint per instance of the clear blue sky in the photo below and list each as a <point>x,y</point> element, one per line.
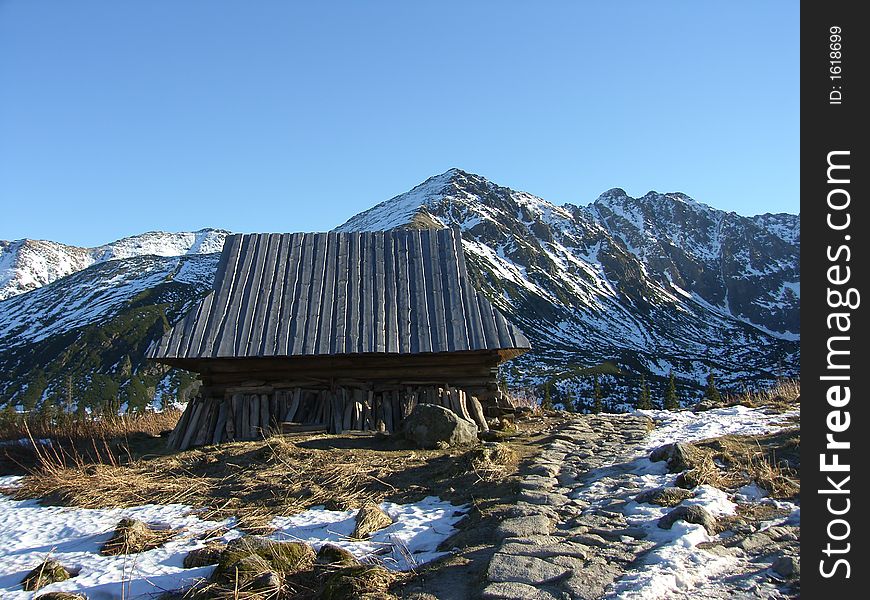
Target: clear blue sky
<point>122,117</point>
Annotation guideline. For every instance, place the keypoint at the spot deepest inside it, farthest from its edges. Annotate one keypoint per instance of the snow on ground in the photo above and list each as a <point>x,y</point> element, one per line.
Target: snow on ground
<point>30,532</point>
<point>688,426</point>
<point>676,568</point>
<point>411,540</point>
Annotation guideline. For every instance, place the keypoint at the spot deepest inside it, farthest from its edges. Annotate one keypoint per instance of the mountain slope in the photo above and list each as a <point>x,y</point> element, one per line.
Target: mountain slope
<point>28,264</point>
<point>630,285</point>
<point>651,284</point>
<point>77,318</point>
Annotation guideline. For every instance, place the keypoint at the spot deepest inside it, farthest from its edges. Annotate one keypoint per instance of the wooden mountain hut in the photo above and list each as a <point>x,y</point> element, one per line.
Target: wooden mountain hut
<point>336,330</point>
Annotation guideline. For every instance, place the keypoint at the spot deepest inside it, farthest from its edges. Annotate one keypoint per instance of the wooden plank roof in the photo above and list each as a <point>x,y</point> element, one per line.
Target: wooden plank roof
<point>308,294</point>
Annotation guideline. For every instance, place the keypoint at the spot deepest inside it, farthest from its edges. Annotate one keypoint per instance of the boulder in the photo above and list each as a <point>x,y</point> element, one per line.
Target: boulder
<point>504,568</point>
<point>689,514</point>
<point>680,457</point>
<point>47,572</point>
<point>661,453</point>
<point>685,457</point>
<point>663,496</point>
<point>370,519</point>
<point>432,426</point>
<point>268,582</point>
<point>247,558</point>
<point>787,566</point>
<point>524,526</point>
<point>330,554</point>
<point>360,581</point>
<point>209,554</point>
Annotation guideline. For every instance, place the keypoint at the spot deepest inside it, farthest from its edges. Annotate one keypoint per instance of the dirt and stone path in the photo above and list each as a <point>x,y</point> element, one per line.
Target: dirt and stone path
<point>567,537</point>
<point>553,543</point>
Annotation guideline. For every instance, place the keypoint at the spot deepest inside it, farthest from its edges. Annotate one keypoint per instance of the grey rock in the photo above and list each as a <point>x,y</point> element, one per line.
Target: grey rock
<point>534,540</point>
<point>524,526</point>
<point>784,533</point>
<point>615,505</point>
<point>720,550</point>
<point>526,509</point>
<point>637,533</point>
<point>690,514</point>
<point>661,453</point>
<point>269,581</point>
<point>663,496</point>
<point>549,550</point>
<point>590,539</point>
<point>590,582</point>
<point>537,481</point>
<point>538,497</point>
<point>566,478</point>
<point>431,426</point>
<point>787,566</point>
<point>523,569</point>
<point>514,591</point>
<point>544,469</point>
<point>757,543</point>
<point>683,457</point>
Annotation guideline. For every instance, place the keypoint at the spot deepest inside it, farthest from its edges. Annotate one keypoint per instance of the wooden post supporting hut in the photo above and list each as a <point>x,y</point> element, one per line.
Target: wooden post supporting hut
<point>336,331</point>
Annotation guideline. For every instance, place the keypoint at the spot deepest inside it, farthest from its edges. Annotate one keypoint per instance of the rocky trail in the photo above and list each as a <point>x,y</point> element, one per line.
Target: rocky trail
<point>578,532</point>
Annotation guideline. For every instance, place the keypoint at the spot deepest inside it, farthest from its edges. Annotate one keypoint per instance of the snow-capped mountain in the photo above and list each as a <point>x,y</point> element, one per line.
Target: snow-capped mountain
<point>28,264</point>
<point>643,285</point>
<point>651,284</point>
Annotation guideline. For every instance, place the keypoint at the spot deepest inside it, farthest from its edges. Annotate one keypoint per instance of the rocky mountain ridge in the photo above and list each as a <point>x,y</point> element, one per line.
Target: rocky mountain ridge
<point>29,264</point>
<point>620,286</point>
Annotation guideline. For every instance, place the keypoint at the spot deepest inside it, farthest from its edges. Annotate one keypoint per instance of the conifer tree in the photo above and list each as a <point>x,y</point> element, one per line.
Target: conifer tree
<point>671,400</point>
<point>712,393</point>
<point>579,405</point>
<point>32,396</point>
<point>137,394</point>
<point>597,406</point>
<point>547,403</point>
<point>643,400</point>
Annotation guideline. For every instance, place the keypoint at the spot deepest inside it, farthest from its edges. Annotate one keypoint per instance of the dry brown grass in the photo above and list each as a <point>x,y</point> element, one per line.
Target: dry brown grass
<point>76,427</point>
<point>132,537</point>
<point>256,481</point>
<point>491,463</point>
<point>784,395</point>
<point>68,479</point>
<point>772,461</point>
<point>523,398</point>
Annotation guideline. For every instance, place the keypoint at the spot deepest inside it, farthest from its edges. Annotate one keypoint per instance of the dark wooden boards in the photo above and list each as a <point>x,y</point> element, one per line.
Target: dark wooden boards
<point>253,414</point>
<point>318,294</point>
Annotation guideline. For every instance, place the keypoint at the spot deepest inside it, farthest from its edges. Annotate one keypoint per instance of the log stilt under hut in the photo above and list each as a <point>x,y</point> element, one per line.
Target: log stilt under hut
<point>261,414</point>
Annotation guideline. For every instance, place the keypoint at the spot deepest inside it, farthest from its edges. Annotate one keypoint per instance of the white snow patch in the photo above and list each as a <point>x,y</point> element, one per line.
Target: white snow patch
<point>30,532</point>
<point>410,541</point>
<point>676,567</point>
<point>688,426</point>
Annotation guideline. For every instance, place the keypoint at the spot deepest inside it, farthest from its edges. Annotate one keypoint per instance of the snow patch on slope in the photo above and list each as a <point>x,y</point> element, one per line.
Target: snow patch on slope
<point>29,264</point>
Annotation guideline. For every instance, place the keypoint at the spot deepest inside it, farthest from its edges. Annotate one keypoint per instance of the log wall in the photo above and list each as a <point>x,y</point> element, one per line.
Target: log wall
<point>248,413</point>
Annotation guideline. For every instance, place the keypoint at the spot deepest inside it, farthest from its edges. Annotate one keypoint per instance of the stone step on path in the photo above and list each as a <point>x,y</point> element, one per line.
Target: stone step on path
<point>553,544</point>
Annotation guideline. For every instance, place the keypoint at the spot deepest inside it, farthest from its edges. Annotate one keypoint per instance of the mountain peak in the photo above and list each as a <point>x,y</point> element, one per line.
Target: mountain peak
<point>613,193</point>
<point>28,264</point>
